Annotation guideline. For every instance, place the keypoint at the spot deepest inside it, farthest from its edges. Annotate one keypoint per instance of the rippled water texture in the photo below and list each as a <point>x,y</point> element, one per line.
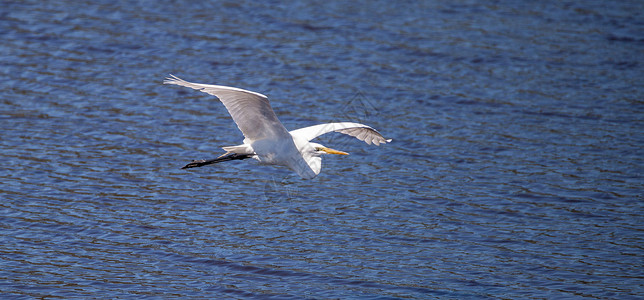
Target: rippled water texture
<point>515,169</point>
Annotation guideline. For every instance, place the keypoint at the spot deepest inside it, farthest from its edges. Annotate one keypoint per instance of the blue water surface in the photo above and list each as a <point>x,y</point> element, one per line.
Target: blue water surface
<point>515,171</point>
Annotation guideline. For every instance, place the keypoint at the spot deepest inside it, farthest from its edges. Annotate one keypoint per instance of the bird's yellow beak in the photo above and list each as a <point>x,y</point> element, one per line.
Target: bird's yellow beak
<point>333,151</point>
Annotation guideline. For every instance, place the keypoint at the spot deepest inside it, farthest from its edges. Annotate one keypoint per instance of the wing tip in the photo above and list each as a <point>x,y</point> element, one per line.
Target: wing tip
<point>383,141</point>
<point>171,79</point>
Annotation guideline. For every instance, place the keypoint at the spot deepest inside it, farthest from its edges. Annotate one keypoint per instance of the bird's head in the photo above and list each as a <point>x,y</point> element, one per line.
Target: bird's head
<point>320,149</point>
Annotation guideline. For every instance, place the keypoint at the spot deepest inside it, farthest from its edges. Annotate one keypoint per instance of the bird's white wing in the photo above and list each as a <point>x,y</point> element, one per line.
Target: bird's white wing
<point>250,110</point>
<point>357,130</point>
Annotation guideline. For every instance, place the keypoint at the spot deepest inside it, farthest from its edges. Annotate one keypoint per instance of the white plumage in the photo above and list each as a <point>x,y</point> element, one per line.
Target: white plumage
<point>267,140</point>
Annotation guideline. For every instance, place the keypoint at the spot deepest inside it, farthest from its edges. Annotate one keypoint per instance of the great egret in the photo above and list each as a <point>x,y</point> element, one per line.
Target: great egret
<point>266,139</point>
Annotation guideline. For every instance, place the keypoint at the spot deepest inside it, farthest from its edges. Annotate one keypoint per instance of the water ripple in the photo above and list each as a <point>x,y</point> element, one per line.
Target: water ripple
<point>515,171</point>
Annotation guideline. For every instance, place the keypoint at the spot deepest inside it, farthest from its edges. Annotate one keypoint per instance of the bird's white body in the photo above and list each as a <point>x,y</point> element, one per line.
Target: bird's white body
<point>292,153</point>
<point>267,140</point>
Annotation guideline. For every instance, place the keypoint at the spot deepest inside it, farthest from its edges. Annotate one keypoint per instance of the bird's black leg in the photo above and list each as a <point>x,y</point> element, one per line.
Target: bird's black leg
<point>225,157</point>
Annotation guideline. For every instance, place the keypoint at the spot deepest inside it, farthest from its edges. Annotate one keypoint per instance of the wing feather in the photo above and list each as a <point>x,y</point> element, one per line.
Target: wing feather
<point>357,130</point>
<point>251,111</point>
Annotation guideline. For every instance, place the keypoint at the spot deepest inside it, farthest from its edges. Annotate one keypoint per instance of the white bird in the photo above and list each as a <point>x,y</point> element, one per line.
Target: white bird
<point>267,140</point>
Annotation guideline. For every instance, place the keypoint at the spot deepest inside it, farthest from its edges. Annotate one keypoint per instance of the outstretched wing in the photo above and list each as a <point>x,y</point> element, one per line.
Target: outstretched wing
<point>357,130</point>
<point>251,111</point>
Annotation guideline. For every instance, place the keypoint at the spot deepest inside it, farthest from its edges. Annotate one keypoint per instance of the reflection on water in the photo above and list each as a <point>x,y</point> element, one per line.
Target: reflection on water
<point>515,170</point>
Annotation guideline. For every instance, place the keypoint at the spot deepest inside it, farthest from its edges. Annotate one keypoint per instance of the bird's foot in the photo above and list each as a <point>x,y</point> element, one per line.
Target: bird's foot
<point>225,157</point>
<point>194,163</point>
